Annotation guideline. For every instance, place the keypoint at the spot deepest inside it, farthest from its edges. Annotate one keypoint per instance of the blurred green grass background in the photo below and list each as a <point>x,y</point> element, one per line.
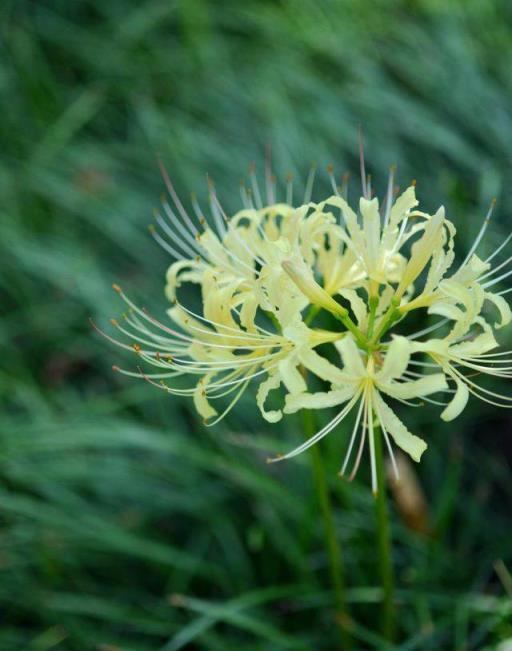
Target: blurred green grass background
<point>124,524</point>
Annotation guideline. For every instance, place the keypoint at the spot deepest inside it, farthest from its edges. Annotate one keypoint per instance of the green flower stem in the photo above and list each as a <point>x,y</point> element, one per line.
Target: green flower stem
<point>386,570</point>
<point>391,317</point>
<point>332,544</point>
<point>374,302</point>
<point>351,326</point>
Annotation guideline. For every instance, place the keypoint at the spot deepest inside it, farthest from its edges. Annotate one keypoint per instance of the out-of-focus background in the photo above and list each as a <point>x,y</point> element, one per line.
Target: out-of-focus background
<point>124,523</point>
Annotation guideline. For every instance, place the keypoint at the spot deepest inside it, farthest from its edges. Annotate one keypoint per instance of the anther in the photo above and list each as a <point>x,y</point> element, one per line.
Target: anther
<point>136,348</point>
<point>116,288</point>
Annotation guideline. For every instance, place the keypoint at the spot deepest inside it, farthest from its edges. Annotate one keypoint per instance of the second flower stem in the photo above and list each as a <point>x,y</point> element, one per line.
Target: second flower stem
<point>386,571</point>
<point>332,544</point>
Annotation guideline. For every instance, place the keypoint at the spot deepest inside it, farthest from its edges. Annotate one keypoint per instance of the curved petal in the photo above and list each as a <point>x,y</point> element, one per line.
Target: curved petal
<point>352,362</point>
<point>503,307</point>
<point>201,401</point>
<point>396,360</point>
<point>182,271</point>
<point>458,402</point>
<point>290,375</point>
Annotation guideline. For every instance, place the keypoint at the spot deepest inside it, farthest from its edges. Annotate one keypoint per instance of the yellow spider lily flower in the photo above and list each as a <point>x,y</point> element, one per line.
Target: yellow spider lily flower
<point>266,273</point>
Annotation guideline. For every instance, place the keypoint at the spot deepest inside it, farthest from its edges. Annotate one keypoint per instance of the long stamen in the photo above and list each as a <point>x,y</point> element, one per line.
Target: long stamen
<point>500,248</point>
<point>255,186</point>
<point>330,173</point>
<point>491,272</point>
<point>181,242</point>
<point>344,185</point>
<point>289,189</point>
<point>362,165</point>
<point>165,245</point>
<point>216,209</point>
<point>426,331</point>
<point>230,406</point>
<point>494,281</point>
<point>174,196</point>
<point>269,177</point>
<point>389,194</point>
<point>352,438</point>
<point>373,463</point>
<point>189,235</point>
<point>309,183</point>
<point>389,447</point>
<point>319,435</point>
<point>355,467</point>
<point>481,233</point>
<point>221,326</point>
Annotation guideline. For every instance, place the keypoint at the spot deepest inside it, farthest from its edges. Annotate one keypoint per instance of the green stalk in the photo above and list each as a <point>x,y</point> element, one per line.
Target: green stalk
<point>332,544</point>
<point>374,302</point>
<point>386,571</point>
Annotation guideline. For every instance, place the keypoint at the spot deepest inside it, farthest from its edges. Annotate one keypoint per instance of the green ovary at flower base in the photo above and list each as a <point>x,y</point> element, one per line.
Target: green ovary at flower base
<point>268,271</point>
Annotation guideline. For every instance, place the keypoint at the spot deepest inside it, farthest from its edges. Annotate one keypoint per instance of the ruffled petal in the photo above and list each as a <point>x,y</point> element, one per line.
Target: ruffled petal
<point>413,445</point>
<point>503,308</point>
<point>321,367</point>
<point>415,388</point>
<point>371,227</point>
<point>319,400</point>
<point>422,250</point>
<point>480,345</point>
<point>357,305</point>
<point>273,381</point>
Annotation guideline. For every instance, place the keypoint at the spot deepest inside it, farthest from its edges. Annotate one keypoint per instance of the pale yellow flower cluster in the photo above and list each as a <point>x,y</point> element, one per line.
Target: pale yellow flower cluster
<point>269,274</point>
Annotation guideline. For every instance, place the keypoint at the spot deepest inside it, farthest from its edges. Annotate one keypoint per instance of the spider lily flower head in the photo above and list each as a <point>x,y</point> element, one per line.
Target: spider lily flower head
<point>274,273</point>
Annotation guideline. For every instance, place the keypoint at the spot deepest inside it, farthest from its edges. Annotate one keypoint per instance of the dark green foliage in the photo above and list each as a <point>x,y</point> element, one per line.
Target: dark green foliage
<point>124,523</point>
